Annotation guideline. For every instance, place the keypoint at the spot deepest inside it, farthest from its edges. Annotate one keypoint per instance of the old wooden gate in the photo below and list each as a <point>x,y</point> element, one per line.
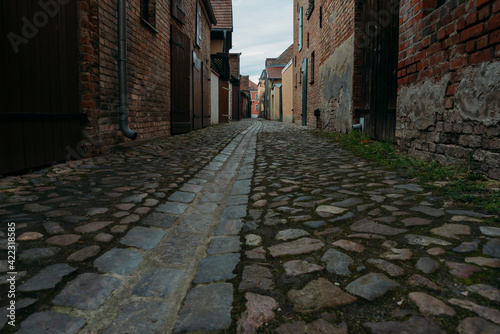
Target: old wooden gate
<point>40,120</point>
<point>379,44</point>
<point>206,96</point>
<point>197,93</point>
<point>181,69</point>
<point>235,108</point>
<point>223,101</point>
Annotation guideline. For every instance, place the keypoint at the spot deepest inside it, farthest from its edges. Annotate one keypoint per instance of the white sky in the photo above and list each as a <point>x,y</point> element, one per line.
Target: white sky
<point>261,29</point>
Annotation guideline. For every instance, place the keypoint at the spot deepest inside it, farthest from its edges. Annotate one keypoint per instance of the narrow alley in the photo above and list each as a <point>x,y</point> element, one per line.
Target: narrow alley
<point>247,227</point>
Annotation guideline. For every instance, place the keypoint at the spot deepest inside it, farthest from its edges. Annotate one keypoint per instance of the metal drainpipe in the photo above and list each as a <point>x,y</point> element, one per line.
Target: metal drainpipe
<point>122,70</point>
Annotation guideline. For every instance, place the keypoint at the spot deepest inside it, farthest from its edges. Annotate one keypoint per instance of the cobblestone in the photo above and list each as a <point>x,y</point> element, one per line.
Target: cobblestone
<point>188,227</point>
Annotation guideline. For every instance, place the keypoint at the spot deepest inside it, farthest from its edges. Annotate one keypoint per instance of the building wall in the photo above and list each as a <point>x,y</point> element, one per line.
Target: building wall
<point>449,92</point>
<point>148,67</point>
<point>261,93</point>
<point>214,94</point>
<point>217,46</point>
<point>328,33</point>
<point>255,104</point>
<point>287,78</point>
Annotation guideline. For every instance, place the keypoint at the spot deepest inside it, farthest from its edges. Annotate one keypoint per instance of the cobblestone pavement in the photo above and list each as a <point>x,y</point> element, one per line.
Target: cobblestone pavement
<point>255,226</point>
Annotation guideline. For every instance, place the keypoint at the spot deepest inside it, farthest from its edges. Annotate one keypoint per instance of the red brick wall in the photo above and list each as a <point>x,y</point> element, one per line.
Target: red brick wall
<point>148,67</point>
<point>448,96</point>
<point>325,37</point>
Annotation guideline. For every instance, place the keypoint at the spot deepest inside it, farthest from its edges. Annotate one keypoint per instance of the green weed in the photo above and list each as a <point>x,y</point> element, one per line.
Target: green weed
<point>474,191</point>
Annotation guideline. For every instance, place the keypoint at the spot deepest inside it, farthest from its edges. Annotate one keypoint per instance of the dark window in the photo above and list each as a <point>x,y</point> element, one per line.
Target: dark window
<point>308,40</point>
<point>312,68</point>
<point>148,13</point>
<point>321,17</point>
<point>300,29</point>
<point>178,11</point>
<point>198,24</point>
<point>310,9</point>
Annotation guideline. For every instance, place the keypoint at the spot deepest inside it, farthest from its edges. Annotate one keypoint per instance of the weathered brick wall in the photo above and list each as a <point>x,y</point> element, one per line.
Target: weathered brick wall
<point>328,34</point>
<point>148,67</point>
<point>449,91</point>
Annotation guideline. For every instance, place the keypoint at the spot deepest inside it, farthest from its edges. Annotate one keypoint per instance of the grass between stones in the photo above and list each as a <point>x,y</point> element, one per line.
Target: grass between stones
<point>470,191</point>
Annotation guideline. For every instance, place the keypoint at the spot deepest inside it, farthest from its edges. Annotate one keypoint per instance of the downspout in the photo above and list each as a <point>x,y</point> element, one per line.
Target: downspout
<point>122,70</point>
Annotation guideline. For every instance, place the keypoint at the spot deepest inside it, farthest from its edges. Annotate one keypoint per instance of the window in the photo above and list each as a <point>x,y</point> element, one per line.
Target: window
<point>310,9</point>
<point>312,68</point>
<point>198,24</point>
<point>300,29</point>
<point>148,15</point>
<point>178,11</point>
<point>256,96</point>
<point>320,17</point>
<point>256,107</point>
<point>308,40</point>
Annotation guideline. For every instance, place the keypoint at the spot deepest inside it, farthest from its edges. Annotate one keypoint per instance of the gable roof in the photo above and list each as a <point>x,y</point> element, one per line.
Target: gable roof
<point>252,85</point>
<point>223,10</point>
<point>274,71</point>
<point>285,57</point>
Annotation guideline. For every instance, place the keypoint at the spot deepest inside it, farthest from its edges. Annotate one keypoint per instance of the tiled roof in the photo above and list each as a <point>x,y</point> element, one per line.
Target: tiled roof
<point>223,10</point>
<point>274,72</point>
<point>252,85</point>
<point>285,57</point>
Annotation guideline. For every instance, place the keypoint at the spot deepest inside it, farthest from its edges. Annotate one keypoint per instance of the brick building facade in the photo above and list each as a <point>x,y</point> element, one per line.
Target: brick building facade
<point>420,73</point>
<point>449,88</point>
<point>323,63</point>
<point>78,97</point>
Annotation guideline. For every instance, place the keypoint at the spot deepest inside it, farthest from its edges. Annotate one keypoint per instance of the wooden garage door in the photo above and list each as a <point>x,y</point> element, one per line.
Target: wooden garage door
<point>181,69</point>
<point>380,52</point>
<point>40,120</point>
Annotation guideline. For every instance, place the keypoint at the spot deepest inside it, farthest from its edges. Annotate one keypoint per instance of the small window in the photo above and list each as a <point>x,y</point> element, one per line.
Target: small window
<point>320,17</point>
<point>198,24</point>
<point>178,11</point>
<point>256,96</point>
<point>300,29</point>
<point>256,107</point>
<point>148,13</point>
<point>308,40</point>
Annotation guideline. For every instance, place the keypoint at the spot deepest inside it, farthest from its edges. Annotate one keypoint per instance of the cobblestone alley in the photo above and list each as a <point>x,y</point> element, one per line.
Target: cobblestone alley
<point>255,226</point>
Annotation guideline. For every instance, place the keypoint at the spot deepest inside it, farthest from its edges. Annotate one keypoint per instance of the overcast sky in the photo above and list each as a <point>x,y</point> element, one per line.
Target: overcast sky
<point>261,29</point>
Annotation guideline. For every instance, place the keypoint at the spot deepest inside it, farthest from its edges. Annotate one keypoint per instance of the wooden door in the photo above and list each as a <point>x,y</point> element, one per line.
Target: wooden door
<point>181,69</point>
<point>380,52</point>
<point>206,95</point>
<point>40,119</point>
<point>223,102</point>
<point>235,105</point>
<point>197,93</point>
